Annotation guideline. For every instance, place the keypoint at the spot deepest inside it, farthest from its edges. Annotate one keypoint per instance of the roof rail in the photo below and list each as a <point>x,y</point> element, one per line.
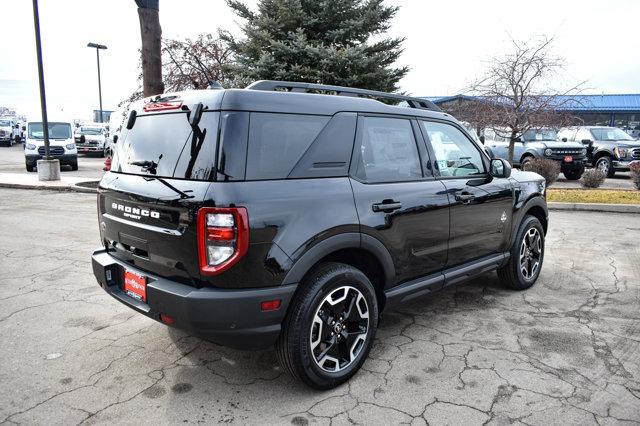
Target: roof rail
<point>291,86</point>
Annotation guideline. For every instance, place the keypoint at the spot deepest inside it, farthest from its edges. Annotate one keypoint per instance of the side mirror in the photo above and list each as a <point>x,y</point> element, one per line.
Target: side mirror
<point>500,168</point>
<point>587,142</point>
<point>17,126</point>
<point>132,119</point>
<point>115,138</point>
<point>196,114</point>
<point>24,128</point>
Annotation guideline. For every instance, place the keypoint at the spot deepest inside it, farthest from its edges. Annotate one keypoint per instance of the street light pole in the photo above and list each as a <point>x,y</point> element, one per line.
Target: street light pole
<point>43,100</point>
<point>98,47</point>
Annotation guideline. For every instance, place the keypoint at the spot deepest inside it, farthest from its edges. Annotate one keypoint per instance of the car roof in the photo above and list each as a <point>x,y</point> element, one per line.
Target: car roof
<point>288,102</point>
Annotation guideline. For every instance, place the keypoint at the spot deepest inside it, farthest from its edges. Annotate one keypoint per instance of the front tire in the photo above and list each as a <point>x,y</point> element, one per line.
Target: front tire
<point>573,174</point>
<point>605,165</point>
<point>330,326</point>
<point>527,255</point>
<point>29,168</point>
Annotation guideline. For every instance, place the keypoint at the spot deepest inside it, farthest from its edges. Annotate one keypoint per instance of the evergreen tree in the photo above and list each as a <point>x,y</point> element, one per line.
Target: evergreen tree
<point>318,41</point>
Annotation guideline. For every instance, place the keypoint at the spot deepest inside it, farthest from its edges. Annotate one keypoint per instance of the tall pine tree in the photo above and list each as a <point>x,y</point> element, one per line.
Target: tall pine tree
<point>318,41</point>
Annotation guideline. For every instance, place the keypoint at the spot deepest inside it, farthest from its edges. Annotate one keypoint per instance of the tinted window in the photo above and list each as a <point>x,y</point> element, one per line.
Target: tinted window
<point>610,134</point>
<point>456,155</point>
<point>165,140</point>
<point>388,151</point>
<point>277,141</point>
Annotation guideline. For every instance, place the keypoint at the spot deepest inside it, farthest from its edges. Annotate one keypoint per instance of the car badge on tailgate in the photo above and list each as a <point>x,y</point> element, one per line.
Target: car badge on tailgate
<point>135,212</point>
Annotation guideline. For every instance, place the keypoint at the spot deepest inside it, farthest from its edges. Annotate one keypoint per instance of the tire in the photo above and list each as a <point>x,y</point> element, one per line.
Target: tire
<point>29,168</point>
<point>17,139</point>
<point>74,166</point>
<point>309,324</point>
<point>525,162</point>
<point>512,274</point>
<point>573,174</point>
<point>605,164</point>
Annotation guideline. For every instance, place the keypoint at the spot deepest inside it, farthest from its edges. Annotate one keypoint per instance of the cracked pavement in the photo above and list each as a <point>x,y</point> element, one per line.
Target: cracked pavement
<point>564,352</point>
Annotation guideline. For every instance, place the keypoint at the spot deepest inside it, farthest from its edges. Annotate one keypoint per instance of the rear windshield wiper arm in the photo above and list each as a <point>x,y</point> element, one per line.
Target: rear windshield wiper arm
<point>183,195</point>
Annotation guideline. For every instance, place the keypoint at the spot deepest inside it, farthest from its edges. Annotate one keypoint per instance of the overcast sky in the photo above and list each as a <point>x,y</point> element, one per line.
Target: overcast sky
<point>447,44</point>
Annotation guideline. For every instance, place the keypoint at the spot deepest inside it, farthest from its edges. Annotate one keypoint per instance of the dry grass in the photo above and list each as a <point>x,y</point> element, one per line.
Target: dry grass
<point>601,196</point>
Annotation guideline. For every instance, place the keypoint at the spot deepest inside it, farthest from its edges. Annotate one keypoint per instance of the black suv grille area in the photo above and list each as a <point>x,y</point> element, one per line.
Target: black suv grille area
<point>54,150</point>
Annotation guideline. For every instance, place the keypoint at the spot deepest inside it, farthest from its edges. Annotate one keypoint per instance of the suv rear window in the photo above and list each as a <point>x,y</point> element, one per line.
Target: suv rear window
<point>165,139</point>
<point>277,141</point>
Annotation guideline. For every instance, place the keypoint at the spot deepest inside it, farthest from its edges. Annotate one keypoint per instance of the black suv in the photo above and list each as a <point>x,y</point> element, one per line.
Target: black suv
<point>293,214</point>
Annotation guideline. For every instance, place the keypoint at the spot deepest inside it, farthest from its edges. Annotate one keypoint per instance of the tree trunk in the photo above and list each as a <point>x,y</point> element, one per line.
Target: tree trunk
<point>151,35</point>
<point>512,146</point>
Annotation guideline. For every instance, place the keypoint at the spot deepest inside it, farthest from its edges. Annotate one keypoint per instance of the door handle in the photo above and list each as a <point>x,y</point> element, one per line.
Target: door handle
<point>386,206</point>
<point>465,197</point>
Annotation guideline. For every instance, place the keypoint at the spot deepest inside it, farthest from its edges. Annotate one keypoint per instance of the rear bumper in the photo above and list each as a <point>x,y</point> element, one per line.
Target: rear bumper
<point>65,159</point>
<point>228,317</point>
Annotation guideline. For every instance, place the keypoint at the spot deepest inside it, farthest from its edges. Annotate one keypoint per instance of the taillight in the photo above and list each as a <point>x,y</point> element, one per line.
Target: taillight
<point>223,238</point>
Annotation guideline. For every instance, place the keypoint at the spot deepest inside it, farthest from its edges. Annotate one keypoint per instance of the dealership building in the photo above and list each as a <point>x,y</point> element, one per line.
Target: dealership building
<point>621,111</point>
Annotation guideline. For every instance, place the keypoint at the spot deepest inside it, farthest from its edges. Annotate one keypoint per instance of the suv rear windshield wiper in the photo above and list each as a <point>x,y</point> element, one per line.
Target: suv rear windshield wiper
<point>183,195</point>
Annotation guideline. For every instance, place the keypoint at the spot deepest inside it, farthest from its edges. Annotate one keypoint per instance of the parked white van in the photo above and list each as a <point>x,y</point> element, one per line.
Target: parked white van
<point>9,131</point>
<point>61,144</point>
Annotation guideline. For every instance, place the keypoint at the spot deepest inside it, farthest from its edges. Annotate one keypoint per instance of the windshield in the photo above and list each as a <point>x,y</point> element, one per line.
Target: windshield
<point>90,131</point>
<point>610,134</point>
<point>540,135</point>
<point>160,145</point>
<point>56,131</point>
<point>5,123</point>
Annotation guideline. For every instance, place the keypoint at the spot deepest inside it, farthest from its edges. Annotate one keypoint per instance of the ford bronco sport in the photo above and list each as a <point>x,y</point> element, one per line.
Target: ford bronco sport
<point>275,216</point>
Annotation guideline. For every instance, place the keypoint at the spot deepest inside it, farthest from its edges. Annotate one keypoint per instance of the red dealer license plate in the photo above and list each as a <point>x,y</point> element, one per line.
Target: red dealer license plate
<point>135,286</point>
<point>568,158</point>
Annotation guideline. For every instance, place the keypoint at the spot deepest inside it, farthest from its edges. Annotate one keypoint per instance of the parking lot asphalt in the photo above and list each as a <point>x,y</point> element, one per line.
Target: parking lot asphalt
<point>564,352</point>
<point>12,161</point>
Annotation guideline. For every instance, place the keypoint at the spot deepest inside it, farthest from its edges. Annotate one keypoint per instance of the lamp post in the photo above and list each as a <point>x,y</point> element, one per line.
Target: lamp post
<point>48,169</point>
<point>98,47</point>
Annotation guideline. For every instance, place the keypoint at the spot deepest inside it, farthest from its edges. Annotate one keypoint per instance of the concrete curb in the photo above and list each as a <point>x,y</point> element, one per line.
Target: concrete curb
<point>73,188</point>
<point>595,207</point>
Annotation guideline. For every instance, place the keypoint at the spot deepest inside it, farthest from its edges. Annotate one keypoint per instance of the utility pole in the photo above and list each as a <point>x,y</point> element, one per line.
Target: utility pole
<point>99,47</point>
<point>48,168</point>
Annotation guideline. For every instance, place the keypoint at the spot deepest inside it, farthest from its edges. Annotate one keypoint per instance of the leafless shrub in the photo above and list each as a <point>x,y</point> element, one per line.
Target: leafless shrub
<point>592,178</point>
<point>635,173</point>
<point>546,168</point>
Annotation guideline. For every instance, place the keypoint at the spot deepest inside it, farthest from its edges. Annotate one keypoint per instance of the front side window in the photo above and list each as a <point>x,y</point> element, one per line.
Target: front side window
<point>388,151</point>
<point>56,131</point>
<point>539,135</point>
<point>455,154</point>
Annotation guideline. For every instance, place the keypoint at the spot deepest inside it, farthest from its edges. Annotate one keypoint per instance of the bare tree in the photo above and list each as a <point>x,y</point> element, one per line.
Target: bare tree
<point>194,64</point>
<point>516,93</point>
<point>151,34</point>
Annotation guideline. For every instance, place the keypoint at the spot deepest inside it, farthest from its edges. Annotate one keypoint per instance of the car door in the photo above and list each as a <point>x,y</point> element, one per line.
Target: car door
<point>398,201</point>
<point>481,206</point>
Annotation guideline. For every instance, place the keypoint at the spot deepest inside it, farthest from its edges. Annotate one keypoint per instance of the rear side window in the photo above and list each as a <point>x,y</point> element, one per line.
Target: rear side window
<point>164,141</point>
<point>277,141</point>
<point>388,151</point>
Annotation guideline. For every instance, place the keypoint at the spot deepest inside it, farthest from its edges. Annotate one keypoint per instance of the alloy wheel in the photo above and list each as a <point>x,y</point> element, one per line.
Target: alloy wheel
<point>339,329</point>
<point>603,165</point>
<point>530,253</point>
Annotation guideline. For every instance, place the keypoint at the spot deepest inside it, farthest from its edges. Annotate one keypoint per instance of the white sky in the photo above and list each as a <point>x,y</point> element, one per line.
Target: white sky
<point>447,44</point>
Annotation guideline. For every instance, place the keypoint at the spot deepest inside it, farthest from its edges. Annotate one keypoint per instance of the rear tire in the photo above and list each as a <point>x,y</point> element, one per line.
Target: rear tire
<point>29,168</point>
<point>316,345</point>
<point>527,254</point>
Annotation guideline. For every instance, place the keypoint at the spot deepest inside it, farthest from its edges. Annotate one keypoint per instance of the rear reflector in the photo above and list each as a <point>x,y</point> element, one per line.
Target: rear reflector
<point>166,319</point>
<point>223,238</point>
<point>270,305</point>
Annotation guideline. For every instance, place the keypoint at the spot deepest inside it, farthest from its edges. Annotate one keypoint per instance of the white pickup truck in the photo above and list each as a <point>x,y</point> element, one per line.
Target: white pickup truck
<point>10,131</point>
